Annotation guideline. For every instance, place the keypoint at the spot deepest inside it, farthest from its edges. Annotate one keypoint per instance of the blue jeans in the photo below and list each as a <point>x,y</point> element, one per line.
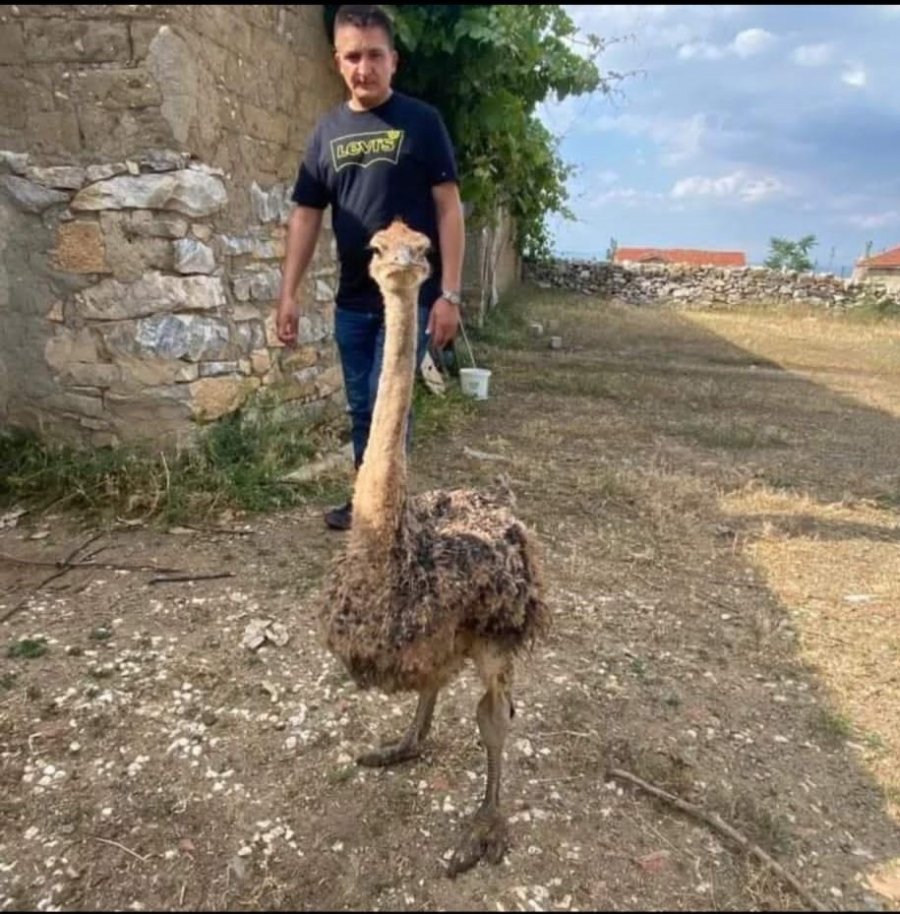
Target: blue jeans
<point>360,340</point>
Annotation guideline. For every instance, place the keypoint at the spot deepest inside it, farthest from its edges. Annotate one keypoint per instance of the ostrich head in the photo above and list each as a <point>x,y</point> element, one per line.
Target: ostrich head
<point>399,258</point>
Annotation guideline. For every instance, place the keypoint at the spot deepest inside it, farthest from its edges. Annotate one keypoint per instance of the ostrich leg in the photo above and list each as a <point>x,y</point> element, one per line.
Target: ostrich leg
<point>409,746</point>
<point>486,833</point>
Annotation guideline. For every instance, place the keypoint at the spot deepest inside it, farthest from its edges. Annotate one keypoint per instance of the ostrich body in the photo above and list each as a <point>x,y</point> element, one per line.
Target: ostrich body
<point>429,581</point>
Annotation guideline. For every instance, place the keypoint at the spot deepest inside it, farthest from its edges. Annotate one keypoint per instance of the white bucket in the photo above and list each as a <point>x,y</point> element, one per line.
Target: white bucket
<point>474,382</point>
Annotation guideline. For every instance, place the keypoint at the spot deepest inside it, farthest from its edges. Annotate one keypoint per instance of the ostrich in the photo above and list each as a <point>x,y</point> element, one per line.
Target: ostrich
<point>426,582</point>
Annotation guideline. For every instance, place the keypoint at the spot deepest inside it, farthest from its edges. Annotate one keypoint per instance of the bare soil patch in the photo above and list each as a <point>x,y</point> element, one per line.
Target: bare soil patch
<point>718,497</point>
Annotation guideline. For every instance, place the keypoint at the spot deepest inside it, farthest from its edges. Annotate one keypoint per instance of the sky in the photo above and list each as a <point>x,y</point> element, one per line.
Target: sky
<point>738,123</point>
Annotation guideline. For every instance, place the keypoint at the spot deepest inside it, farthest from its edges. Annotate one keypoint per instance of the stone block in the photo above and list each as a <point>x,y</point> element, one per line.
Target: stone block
<point>102,172</point>
<point>129,257</point>
<point>147,371</point>
<point>113,133</point>
<point>296,359</point>
<point>30,197</point>
<point>261,157</point>
<point>12,48</point>
<point>153,293</point>
<point>250,335</point>
<point>273,204</point>
<point>330,381</point>
<point>119,87</point>
<point>142,32</point>
<point>218,369</point>
<point>260,361</point>
<point>149,414</point>
<point>80,248</point>
<point>188,191</point>
<point>182,336</point>
<point>212,398</point>
<point>60,177</point>
<point>75,40</point>
<point>15,162</point>
<point>192,256</point>
<point>264,124</point>
<point>54,131</point>
<point>68,346</point>
<point>148,224</point>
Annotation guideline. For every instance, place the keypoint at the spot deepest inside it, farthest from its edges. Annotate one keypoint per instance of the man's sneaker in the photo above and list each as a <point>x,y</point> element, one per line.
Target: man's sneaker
<point>340,518</point>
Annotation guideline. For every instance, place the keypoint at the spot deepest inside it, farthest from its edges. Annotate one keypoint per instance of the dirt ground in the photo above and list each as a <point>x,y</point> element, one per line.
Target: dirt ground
<point>718,498</point>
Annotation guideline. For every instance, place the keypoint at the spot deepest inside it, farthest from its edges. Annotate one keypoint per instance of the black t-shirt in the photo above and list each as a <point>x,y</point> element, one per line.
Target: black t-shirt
<point>373,166</point>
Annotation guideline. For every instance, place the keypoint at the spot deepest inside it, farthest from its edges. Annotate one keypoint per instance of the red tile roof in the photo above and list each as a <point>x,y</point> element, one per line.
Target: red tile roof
<point>889,258</point>
<point>682,255</point>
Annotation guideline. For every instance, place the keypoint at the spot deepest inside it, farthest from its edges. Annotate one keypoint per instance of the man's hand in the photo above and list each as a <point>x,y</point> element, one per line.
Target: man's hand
<point>443,323</point>
<point>286,321</point>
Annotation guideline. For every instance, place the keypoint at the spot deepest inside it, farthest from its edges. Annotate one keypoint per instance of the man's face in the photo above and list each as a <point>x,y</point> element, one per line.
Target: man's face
<point>366,62</point>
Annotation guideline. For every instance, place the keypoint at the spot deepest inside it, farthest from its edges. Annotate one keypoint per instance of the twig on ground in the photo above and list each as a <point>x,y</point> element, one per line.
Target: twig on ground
<point>191,577</point>
<point>64,566</point>
<point>122,848</point>
<point>68,566</point>
<point>716,822</point>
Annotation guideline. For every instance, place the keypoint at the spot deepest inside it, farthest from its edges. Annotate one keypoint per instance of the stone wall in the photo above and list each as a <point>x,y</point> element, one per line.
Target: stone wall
<point>705,286</point>
<point>148,154</point>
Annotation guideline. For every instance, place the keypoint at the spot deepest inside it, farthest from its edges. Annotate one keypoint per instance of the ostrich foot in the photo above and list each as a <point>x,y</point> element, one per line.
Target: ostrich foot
<point>486,836</point>
<point>389,755</point>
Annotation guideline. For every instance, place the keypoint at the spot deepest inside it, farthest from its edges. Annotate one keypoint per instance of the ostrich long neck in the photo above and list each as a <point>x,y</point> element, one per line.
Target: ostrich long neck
<point>380,492</point>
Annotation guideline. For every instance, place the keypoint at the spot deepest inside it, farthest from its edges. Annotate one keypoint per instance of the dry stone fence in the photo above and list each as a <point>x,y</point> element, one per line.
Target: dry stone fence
<point>147,154</point>
<point>647,283</point>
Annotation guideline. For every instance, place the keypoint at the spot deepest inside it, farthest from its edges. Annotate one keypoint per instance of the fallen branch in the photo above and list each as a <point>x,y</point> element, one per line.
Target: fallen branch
<point>191,577</point>
<point>716,822</point>
<point>66,565</point>
<point>63,567</point>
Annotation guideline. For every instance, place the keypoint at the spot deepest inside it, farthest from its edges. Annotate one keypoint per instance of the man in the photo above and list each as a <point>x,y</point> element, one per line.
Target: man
<point>379,155</point>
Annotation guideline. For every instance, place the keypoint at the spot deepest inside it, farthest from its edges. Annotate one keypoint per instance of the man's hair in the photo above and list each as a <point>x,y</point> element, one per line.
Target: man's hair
<point>364,16</point>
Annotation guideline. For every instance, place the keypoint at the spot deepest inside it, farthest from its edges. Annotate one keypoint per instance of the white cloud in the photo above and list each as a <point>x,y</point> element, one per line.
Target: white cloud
<point>746,44</point>
<point>855,76</point>
<point>812,55</point>
<point>700,50</point>
<point>874,220</point>
<point>625,196</point>
<point>680,139</point>
<point>607,177</point>
<point>737,185</point>
<point>751,42</point>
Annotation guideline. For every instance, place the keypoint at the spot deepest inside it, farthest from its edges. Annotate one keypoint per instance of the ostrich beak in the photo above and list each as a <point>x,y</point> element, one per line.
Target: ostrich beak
<point>403,256</point>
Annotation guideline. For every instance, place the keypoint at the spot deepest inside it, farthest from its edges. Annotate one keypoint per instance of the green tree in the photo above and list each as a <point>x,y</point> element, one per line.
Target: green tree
<point>486,68</point>
<point>790,255</point>
<point>611,250</point>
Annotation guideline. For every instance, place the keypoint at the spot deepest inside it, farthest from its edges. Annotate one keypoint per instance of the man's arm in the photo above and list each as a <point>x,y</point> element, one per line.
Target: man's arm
<point>444,320</point>
<point>303,233</point>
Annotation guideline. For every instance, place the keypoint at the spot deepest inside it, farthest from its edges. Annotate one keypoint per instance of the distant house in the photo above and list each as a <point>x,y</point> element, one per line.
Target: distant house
<point>882,268</point>
<point>688,256</point>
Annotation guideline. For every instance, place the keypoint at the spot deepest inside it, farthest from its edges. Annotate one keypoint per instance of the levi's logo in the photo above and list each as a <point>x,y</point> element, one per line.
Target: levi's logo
<point>365,148</point>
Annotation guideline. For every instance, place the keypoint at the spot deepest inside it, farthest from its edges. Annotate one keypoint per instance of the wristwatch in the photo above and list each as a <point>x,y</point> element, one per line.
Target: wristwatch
<point>453,297</point>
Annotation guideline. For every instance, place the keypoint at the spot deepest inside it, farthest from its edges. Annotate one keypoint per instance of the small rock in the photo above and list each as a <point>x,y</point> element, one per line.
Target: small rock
<point>255,633</point>
<point>271,690</point>
<point>277,634</point>
<point>556,342</point>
